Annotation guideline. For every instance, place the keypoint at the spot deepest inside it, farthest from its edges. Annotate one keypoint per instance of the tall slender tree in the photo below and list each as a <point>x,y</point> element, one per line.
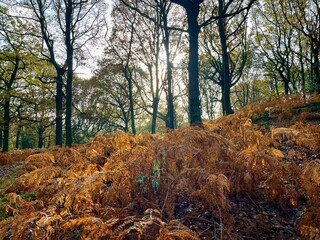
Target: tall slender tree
<point>12,62</point>
<point>121,44</point>
<point>77,22</point>
<point>159,12</point>
<point>192,8</point>
<point>305,17</point>
<point>276,39</point>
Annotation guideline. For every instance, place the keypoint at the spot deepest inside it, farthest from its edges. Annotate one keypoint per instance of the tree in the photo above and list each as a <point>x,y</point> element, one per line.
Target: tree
<point>153,37</point>
<point>193,9</point>
<point>39,103</point>
<point>276,40</point>
<point>224,55</point>
<point>101,102</point>
<point>78,21</point>
<point>121,46</point>
<point>159,12</point>
<point>12,62</point>
<point>305,17</point>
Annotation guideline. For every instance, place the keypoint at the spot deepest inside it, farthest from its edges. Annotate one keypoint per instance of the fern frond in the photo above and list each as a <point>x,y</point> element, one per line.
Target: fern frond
<point>90,228</point>
<point>34,179</point>
<point>175,231</point>
<point>39,160</point>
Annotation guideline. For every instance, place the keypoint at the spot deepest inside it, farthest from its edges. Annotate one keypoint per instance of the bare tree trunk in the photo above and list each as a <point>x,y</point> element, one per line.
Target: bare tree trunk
<point>41,130</point>
<point>59,108</point>
<point>170,105</point>
<point>6,125</point>
<point>6,106</point>
<point>133,126</point>
<point>69,12</point>
<point>1,138</point>
<point>316,65</point>
<point>226,77</point>
<point>155,105</point>
<point>193,68</point>
<point>18,137</point>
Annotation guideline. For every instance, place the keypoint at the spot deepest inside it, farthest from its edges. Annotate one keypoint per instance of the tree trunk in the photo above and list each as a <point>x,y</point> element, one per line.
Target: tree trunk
<point>226,77</point>
<point>301,61</point>
<point>41,130</point>
<point>6,124</point>
<point>69,12</point>
<point>18,137</point>
<point>6,106</point>
<point>155,106</point>
<point>285,81</point>
<point>286,87</point>
<point>133,127</point>
<point>170,110</point>
<point>59,109</point>
<point>1,138</point>
<point>316,66</point>
<point>69,107</point>
<point>193,68</point>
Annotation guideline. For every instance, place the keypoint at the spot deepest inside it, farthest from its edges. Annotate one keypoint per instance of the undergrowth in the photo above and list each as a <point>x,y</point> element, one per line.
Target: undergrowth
<point>233,178</point>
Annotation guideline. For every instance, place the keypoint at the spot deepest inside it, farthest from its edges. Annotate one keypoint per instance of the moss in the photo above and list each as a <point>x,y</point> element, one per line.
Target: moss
<point>3,202</point>
<point>30,196</point>
<point>263,118</point>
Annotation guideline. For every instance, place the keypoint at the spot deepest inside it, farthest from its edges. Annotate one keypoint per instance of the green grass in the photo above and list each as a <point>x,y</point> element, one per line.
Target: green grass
<point>6,181</point>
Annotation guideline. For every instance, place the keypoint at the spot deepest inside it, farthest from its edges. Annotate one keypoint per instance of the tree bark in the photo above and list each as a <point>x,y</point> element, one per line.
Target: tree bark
<point>133,126</point>
<point>316,65</point>
<point>18,137</point>
<point>6,124</point>
<point>226,77</point>
<point>193,68</point>
<point>59,108</point>
<point>155,105</point>
<point>192,8</point>
<point>1,138</point>
<point>6,106</point>
<point>69,45</point>
<point>41,130</point>
<point>170,111</point>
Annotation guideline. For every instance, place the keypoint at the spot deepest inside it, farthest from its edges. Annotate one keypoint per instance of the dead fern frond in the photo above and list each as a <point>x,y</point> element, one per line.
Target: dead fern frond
<point>148,227</point>
<point>311,233</point>
<point>310,178</point>
<point>47,226</point>
<point>90,228</point>
<point>34,179</point>
<point>309,226</point>
<point>176,231</point>
<point>5,159</point>
<point>5,228</point>
<point>79,195</point>
<point>71,158</point>
<point>39,160</point>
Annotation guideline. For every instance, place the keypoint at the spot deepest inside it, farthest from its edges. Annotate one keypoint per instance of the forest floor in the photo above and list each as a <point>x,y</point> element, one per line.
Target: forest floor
<point>251,175</point>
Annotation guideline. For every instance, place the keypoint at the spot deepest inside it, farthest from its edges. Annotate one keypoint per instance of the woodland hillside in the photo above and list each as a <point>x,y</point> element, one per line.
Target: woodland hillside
<point>254,174</point>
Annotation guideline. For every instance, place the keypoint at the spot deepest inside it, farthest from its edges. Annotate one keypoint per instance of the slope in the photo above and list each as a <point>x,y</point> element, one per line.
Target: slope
<point>252,175</point>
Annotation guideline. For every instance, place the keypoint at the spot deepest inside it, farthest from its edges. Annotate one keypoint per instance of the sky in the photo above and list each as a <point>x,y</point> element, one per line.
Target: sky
<point>96,50</point>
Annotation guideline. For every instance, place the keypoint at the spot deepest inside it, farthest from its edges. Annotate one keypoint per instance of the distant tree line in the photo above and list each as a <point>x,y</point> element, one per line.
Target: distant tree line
<point>164,63</point>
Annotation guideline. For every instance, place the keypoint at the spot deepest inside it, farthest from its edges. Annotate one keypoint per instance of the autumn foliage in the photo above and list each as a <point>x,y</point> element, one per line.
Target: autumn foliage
<point>224,180</point>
